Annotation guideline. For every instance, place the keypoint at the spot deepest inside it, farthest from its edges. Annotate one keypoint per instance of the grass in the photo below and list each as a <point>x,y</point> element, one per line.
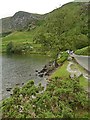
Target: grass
<point>61,71</point>
<point>83,51</point>
<point>20,38</point>
<point>77,66</point>
<point>83,80</point>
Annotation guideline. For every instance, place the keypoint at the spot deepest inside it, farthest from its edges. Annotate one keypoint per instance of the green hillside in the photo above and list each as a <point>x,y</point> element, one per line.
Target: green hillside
<point>65,28</point>
<point>62,29</point>
<point>21,40</point>
<point>83,51</point>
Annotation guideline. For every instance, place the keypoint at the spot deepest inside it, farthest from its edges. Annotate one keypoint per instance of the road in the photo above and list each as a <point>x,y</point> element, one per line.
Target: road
<point>84,61</point>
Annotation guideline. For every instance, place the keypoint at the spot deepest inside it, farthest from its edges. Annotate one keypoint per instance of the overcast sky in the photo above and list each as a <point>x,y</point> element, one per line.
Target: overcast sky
<point>10,7</point>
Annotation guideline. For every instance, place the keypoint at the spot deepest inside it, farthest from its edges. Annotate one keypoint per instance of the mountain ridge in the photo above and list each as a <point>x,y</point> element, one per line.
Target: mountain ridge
<point>19,21</point>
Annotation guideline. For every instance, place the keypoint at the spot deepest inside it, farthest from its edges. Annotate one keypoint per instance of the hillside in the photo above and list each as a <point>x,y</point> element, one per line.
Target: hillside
<point>19,21</point>
<point>83,51</point>
<point>63,28</point>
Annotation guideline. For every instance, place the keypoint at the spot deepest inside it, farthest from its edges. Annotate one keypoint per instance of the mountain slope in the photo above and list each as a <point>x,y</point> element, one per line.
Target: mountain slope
<point>19,21</point>
<point>63,28</point>
<point>67,27</point>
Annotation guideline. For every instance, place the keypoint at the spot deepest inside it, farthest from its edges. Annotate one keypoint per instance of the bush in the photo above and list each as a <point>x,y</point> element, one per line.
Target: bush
<point>62,98</point>
<point>18,48</point>
<point>10,47</point>
<point>63,57</point>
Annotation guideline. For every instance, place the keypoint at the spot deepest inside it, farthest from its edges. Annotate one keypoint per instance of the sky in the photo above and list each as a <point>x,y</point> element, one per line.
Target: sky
<point>10,7</point>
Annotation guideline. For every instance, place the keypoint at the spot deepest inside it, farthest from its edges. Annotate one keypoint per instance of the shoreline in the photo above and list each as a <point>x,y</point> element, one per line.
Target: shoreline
<point>29,75</point>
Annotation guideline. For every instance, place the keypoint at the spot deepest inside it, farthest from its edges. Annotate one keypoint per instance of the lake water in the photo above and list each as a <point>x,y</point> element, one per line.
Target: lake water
<point>18,69</point>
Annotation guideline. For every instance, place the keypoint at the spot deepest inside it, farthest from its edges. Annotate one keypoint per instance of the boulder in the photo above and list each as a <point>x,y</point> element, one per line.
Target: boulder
<point>41,75</point>
<point>8,89</point>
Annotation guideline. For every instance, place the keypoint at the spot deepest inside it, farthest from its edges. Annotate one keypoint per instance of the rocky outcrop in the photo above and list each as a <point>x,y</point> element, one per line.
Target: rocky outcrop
<point>19,21</point>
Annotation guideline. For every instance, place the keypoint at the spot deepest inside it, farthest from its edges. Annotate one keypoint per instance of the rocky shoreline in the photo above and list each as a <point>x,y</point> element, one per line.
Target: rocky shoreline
<point>47,69</point>
<point>45,72</point>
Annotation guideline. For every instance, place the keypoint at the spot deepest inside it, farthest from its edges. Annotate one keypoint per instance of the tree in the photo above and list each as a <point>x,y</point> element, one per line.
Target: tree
<point>49,43</point>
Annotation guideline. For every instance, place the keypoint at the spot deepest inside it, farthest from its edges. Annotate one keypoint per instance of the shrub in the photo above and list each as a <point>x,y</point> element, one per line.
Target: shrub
<point>10,47</point>
<point>63,57</point>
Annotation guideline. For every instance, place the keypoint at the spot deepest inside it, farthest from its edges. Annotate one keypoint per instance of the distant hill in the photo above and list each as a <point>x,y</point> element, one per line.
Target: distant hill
<point>19,21</point>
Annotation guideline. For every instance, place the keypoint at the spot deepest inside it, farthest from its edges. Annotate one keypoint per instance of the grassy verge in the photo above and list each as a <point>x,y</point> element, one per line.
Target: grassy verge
<point>83,80</point>
<point>61,71</point>
<point>83,51</point>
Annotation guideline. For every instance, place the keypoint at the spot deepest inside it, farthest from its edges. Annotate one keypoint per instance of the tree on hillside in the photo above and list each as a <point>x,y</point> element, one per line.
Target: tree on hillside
<point>49,43</point>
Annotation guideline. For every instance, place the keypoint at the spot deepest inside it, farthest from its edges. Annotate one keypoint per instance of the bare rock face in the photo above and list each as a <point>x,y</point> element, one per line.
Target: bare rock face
<point>19,21</point>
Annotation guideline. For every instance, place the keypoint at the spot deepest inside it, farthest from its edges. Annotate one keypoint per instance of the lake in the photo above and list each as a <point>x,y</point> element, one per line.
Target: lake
<point>18,69</point>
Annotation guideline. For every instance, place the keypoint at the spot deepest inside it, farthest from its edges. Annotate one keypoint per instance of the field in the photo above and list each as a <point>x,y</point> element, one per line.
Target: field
<point>20,39</point>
